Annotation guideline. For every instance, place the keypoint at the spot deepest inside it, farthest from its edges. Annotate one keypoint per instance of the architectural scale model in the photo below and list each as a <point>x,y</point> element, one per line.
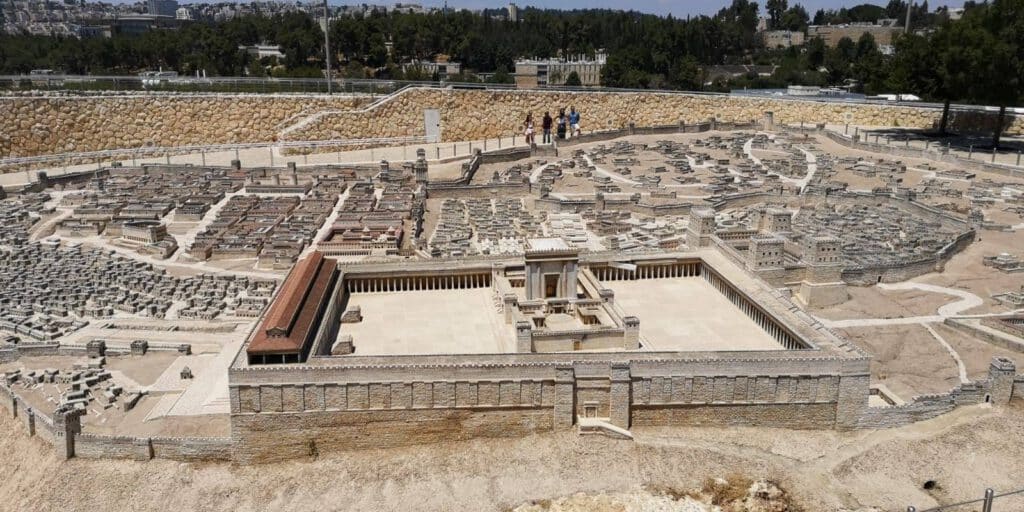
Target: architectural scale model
<point>698,274</point>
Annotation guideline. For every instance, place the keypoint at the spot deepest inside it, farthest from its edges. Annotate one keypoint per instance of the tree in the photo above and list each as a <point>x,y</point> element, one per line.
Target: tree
<point>573,80</point>
<point>795,18</point>
<point>999,77</point>
<point>686,74</point>
<point>775,9</point>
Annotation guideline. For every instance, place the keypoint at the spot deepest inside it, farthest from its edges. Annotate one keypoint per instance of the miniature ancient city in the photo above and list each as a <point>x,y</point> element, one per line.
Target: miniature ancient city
<point>611,285</point>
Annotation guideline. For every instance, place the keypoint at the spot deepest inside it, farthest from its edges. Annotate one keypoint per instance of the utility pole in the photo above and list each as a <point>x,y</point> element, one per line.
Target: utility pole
<point>327,43</point>
<point>906,26</point>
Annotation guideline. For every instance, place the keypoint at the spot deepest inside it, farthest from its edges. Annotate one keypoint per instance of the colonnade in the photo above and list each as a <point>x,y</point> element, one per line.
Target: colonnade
<point>415,283</point>
<point>647,272</point>
<point>762,319</point>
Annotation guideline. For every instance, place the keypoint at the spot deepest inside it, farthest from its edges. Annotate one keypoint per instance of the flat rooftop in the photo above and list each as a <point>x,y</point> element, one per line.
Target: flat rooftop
<point>429,322</point>
<point>688,314</point>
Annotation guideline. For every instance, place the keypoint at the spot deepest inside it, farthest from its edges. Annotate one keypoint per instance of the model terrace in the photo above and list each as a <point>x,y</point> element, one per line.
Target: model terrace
<point>550,301</point>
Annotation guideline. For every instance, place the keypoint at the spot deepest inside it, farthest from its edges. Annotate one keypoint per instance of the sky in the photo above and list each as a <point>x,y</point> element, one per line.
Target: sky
<point>679,8</point>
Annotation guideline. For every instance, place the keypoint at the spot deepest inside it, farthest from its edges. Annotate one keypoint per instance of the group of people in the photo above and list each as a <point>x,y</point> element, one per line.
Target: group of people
<point>566,124</point>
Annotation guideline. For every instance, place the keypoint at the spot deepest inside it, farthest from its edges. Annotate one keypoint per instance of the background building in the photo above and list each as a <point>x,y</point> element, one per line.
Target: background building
<point>781,38</point>
<point>883,32</point>
<point>163,7</point>
<point>535,73</point>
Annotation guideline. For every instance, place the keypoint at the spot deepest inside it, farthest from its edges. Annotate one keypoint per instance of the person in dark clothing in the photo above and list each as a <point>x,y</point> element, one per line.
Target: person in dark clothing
<point>562,122</point>
<point>547,127</point>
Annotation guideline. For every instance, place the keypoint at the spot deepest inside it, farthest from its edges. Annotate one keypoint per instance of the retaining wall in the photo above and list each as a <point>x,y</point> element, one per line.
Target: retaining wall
<point>57,124</point>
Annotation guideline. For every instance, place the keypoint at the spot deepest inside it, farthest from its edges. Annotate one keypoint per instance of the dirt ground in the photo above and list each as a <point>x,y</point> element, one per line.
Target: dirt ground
<point>963,451</point>
<point>965,270</point>
<point>907,359</point>
<point>874,302</point>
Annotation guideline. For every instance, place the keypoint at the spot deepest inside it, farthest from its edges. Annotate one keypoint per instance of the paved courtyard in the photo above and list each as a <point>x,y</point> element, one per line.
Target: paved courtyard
<point>688,314</point>
<point>429,322</point>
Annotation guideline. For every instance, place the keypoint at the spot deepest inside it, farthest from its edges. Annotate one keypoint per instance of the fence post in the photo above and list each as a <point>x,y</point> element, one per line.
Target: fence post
<point>970,152</point>
<point>437,152</point>
<point>167,156</point>
<point>993,155</point>
<point>271,149</point>
<point>1018,157</point>
<point>990,495</point>
<point>204,158</point>
<point>236,155</point>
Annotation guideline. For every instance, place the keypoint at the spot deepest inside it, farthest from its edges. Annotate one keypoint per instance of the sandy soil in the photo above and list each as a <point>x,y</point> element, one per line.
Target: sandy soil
<point>907,359</point>
<point>963,451</point>
<point>966,272</point>
<point>874,302</point>
<point>976,354</point>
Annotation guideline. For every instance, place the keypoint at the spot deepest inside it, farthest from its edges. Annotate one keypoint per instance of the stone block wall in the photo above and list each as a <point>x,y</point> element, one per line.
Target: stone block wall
<point>50,124</point>
<point>477,114</point>
<point>57,124</point>
<point>273,437</point>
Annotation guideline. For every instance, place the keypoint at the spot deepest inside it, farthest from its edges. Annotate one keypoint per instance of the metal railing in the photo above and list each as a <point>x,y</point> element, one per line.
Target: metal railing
<point>988,503</point>
<point>190,84</point>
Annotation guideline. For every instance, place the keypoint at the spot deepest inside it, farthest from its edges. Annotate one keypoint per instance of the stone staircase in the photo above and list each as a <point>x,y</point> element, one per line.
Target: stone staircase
<point>602,426</point>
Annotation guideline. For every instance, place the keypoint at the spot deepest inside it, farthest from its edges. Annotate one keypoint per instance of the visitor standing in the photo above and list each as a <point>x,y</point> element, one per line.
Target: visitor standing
<point>574,121</point>
<point>562,120</point>
<point>528,128</point>
<point>547,122</point>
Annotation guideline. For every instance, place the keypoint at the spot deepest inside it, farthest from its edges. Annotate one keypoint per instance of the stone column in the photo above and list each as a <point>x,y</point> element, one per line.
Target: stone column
<point>508,304</point>
<point>631,339</point>
<point>619,396</point>
<point>565,397</point>
<point>30,421</point>
<point>524,337</point>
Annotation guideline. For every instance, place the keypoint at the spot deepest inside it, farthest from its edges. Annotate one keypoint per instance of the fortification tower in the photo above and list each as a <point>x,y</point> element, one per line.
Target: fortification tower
<point>766,252</point>
<point>823,282</point>
<point>701,227</point>
<point>420,167</point>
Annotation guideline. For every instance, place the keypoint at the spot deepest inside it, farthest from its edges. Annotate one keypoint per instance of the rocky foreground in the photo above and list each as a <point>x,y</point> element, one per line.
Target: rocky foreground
<point>662,470</point>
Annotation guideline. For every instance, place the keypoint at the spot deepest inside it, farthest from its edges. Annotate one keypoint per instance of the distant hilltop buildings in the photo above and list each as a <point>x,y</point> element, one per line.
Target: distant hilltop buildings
<point>531,73</point>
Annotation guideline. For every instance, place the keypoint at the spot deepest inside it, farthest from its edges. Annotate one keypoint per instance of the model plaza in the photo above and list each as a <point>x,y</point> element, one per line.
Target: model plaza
<point>547,302</point>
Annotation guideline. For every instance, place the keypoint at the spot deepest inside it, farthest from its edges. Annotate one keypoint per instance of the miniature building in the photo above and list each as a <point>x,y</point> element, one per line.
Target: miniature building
<point>145,231</point>
<point>286,333</point>
<point>701,227</point>
<point>551,268</point>
<point>766,252</point>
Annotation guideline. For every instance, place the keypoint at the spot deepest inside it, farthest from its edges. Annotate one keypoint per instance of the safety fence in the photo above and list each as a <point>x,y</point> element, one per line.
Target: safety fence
<point>264,85</point>
<point>989,503</point>
<point>15,164</point>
